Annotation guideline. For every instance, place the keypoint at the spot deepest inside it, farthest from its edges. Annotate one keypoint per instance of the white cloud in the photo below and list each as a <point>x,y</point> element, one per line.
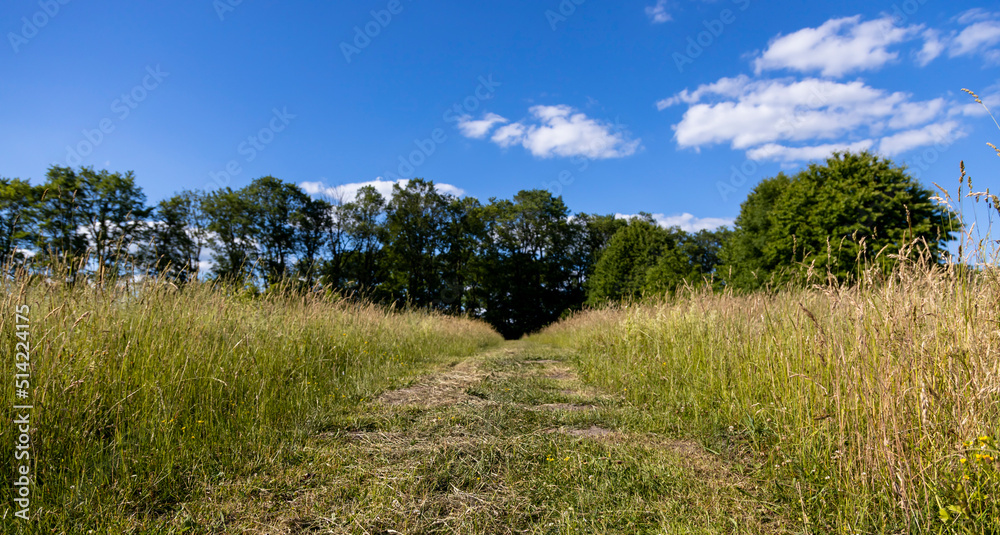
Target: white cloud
<point>944,133</point>
<point>836,47</point>
<point>980,34</point>
<point>788,120</point>
<point>782,153</point>
<point>725,87</point>
<point>799,118</point>
<point>479,129</point>
<point>933,47</point>
<point>975,38</point>
<point>349,192</point>
<point>913,113</point>
<point>508,135</point>
<point>747,113</point>
<point>658,13</point>
<point>975,14</point>
<point>560,131</point>
<point>686,222</point>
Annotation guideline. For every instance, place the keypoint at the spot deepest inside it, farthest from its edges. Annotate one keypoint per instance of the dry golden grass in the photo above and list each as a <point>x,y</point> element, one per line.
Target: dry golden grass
<point>857,403</point>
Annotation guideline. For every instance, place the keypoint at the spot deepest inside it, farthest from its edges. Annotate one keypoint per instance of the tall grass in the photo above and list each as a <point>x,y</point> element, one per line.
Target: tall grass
<point>866,409</point>
<point>145,393</point>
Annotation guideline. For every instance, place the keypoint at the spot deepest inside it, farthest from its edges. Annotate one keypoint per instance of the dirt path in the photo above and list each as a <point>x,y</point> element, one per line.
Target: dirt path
<point>509,441</point>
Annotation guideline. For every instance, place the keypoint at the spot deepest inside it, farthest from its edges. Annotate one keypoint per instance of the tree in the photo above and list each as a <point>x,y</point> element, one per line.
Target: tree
<point>273,206</point>
<point>415,226</point>
<point>313,223</point>
<point>529,253</point>
<point>60,214</point>
<point>641,256</point>
<point>115,211</point>
<point>17,197</point>
<point>831,217</point>
<point>228,215</point>
<point>703,249</point>
<point>357,264</point>
<point>592,234</point>
<point>462,268</point>
<point>178,236</point>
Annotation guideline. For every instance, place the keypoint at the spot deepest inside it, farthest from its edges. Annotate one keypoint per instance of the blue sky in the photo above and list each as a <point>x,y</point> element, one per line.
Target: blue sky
<point>620,107</point>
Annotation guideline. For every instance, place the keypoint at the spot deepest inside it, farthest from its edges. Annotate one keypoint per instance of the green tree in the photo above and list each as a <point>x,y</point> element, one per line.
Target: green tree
<point>313,223</point>
<point>179,235</point>
<point>60,214</point>
<point>415,228</point>
<point>640,257</point>
<point>17,198</point>
<point>232,233</point>
<point>462,269</point>
<point>357,263</point>
<point>829,217</point>
<point>592,234</point>
<point>116,213</point>
<point>528,249</point>
<point>273,205</point>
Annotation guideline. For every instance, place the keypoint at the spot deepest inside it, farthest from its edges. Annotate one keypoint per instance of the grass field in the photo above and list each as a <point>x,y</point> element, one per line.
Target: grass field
<point>871,409</point>
<point>146,396</point>
<point>509,441</point>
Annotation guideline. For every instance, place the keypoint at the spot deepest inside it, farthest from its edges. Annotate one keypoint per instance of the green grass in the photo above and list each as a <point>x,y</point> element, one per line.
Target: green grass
<point>501,460</point>
<point>148,396</point>
<point>872,409</point>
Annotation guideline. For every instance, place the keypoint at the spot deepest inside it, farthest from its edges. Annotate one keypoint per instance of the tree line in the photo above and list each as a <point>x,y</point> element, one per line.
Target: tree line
<point>517,263</point>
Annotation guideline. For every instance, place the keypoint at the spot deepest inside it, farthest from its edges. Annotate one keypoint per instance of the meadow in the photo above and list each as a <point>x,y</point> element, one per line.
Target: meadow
<point>146,393</point>
<point>871,408</point>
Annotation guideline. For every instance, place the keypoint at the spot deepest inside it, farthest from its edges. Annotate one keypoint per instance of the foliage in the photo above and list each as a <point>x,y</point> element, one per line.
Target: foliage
<point>16,199</point>
<point>178,236</point>
<point>529,261</point>
<point>831,218</point>
<point>644,258</point>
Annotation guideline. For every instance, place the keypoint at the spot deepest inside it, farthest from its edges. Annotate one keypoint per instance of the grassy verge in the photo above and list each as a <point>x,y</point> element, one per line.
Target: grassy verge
<point>146,396</point>
<point>866,410</point>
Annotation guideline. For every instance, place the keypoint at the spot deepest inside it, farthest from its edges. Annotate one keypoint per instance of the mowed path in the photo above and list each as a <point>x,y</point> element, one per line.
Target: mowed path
<point>509,441</point>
